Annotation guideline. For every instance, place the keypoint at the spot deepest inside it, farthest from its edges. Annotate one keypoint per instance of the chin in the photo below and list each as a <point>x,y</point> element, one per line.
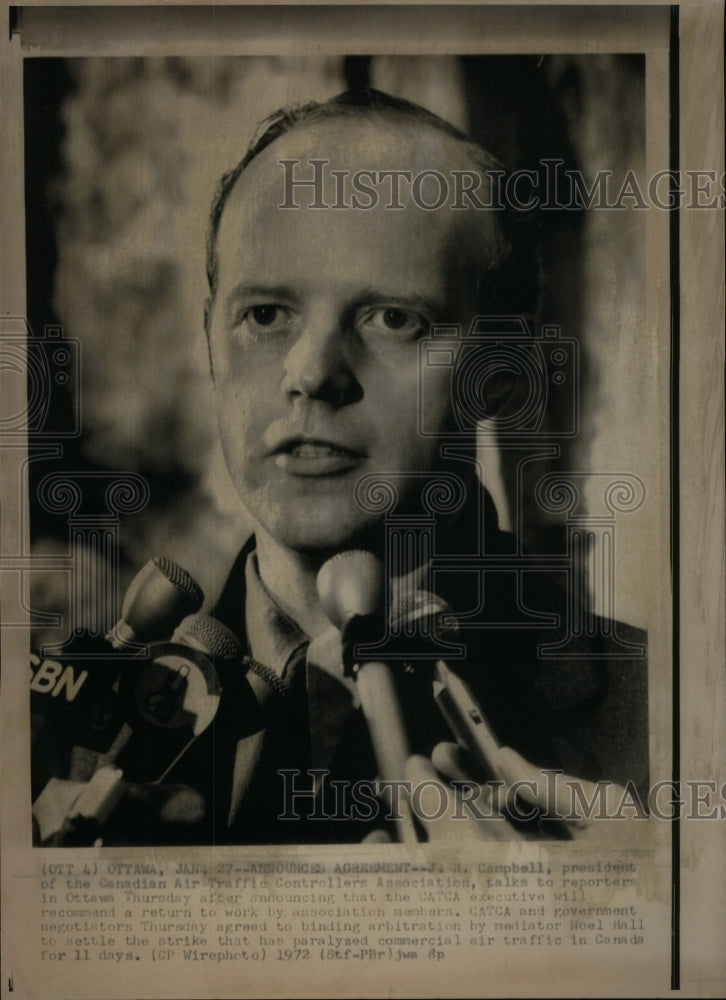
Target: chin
<point>322,535</point>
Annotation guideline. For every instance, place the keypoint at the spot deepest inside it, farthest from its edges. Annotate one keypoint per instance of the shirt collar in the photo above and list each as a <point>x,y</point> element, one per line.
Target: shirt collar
<point>273,637</point>
<point>279,642</point>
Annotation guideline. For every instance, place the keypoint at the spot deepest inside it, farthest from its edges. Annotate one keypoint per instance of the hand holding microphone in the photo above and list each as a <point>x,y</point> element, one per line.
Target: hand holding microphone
<point>420,627</point>
<point>423,624</point>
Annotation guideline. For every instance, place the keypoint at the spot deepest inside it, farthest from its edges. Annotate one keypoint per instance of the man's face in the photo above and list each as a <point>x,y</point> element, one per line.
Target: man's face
<point>314,333</point>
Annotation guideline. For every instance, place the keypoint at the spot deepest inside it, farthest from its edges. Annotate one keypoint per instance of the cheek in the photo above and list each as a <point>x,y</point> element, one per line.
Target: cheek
<point>236,401</point>
<point>422,405</point>
<point>239,364</point>
<point>407,393</point>
<point>415,438</point>
<point>244,382</point>
<point>239,413</point>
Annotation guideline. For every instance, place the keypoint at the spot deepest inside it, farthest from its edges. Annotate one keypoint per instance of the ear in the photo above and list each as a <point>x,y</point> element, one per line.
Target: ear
<point>496,391</point>
<point>208,305</point>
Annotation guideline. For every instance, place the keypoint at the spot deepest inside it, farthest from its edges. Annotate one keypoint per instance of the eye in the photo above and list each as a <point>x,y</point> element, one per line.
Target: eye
<point>392,320</point>
<point>267,318</point>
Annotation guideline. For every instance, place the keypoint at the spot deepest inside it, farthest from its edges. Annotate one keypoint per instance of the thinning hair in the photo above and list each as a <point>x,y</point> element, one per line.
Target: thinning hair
<point>510,286</point>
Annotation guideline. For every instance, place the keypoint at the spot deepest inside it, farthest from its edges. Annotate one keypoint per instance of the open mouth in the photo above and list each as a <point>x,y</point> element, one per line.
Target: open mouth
<point>317,449</point>
<point>315,457</point>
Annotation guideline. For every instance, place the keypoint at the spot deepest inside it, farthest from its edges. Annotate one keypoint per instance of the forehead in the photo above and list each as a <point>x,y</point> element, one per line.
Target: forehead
<point>255,232</point>
<point>377,140</point>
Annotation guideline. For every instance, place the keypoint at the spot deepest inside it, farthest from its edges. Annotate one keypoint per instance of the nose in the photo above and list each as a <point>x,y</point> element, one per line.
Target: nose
<point>318,365</point>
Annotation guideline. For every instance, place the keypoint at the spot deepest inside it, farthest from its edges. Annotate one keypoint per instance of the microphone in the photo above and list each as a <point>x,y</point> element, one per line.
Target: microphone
<point>426,620</point>
<point>75,706</point>
<point>174,694</point>
<point>159,596</point>
<point>421,626</point>
<point>163,698</point>
<point>350,587</point>
<point>208,635</point>
<point>167,700</point>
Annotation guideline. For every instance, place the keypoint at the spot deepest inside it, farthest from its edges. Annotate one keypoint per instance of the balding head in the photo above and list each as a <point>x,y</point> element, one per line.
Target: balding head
<point>507,282</point>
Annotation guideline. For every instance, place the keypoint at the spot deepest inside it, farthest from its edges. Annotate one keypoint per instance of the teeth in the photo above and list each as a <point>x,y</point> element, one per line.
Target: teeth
<point>308,450</point>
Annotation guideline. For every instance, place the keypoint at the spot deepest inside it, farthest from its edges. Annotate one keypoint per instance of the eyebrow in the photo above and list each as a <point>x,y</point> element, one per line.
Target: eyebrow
<point>414,300</point>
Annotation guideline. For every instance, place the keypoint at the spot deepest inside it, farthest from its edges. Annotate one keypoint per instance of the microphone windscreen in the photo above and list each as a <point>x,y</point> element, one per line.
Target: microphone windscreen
<point>210,636</point>
<point>183,581</point>
<point>423,614</point>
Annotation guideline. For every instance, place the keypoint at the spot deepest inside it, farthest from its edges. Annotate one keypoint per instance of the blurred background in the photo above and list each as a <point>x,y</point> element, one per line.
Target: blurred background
<point>122,157</point>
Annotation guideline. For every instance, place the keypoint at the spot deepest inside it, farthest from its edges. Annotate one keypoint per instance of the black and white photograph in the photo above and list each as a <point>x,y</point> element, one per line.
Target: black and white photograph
<point>346,475</point>
<point>347,357</point>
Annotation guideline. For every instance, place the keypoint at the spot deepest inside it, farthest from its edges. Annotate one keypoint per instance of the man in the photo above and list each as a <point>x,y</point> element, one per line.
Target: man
<point>348,233</point>
<point>321,290</point>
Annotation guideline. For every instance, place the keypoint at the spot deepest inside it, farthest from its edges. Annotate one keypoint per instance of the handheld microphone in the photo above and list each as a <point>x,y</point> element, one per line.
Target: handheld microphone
<point>78,718</point>
<point>350,587</point>
<point>166,700</point>
<point>163,694</point>
<point>426,620</point>
<point>159,596</point>
<point>421,626</point>
<point>173,696</point>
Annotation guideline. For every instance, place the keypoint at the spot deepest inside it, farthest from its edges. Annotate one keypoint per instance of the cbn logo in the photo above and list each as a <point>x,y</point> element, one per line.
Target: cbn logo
<point>51,677</point>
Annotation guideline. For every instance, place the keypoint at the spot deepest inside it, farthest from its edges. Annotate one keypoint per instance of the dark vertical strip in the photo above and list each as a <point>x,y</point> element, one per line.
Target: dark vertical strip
<point>357,72</point>
<point>46,86</point>
<point>675,346</point>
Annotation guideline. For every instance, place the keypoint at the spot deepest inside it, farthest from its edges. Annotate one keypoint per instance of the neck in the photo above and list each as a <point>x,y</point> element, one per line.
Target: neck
<point>291,578</point>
